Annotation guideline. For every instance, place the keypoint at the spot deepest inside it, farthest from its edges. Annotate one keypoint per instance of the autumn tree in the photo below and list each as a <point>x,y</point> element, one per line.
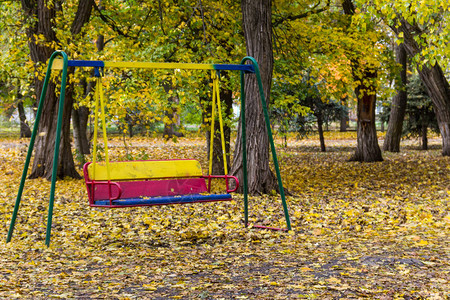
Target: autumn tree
<point>40,17</point>
<point>365,74</point>
<point>258,27</point>
<point>423,29</point>
<point>349,55</point>
<point>435,82</point>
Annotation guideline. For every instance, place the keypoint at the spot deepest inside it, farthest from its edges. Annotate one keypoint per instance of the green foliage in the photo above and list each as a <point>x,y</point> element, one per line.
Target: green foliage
<point>287,110</point>
<point>191,114</point>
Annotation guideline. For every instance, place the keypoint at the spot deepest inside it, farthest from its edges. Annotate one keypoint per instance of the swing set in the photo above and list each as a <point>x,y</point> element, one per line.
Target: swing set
<point>115,184</point>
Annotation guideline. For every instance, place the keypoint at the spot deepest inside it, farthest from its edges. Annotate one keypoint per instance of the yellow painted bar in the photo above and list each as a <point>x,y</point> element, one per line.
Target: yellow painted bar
<point>58,65</point>
<point>151,65</point>
<point>149,169</point>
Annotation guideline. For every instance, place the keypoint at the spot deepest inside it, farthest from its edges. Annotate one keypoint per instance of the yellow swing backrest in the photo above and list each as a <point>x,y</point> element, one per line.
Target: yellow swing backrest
<point>148,169</point>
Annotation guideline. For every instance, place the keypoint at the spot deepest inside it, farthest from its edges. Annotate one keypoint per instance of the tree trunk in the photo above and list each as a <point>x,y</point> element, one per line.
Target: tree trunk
<point>45,142</point>
<point>424,136</point>
<point>257,23</point>
<point>398,107</point>
<point>367,149</point>
<point>320,129</point>
<point>438,89</point>
<point>434,80</point>
<point>130,129</point>
<point>80,119</point>
<point>172,118</point>
<point>25,130</point>
<point>44,13</point>
<point>343,124</point>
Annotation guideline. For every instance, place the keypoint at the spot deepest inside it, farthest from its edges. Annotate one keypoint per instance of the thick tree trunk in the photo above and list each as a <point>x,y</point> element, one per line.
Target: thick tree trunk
<point>434,80</point>
<point>43,161</point>
<point>44,13</point>
<point>398,106</point>
<point>257,25</point>
<point>171,115</point>
<point>25,130</point>
<point>367,149</point>
<point>45,144</point>
<point>438,89</point>
<point>171,127</point>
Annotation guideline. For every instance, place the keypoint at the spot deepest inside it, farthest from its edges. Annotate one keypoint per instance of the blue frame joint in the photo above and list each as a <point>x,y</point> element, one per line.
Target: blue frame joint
<point>245,68</point>
<point>85,63</point>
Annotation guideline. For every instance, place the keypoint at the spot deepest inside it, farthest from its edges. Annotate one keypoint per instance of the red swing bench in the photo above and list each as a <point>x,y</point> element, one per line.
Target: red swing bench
<point>152,182</point>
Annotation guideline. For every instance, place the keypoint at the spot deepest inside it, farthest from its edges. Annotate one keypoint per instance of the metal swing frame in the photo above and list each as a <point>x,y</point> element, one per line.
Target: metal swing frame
<point>64,63</point>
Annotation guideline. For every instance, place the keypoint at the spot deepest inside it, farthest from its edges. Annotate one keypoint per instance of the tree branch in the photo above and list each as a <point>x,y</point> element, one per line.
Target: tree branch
<point>161,20</point>
<point>82,16</point>
<point>110,22</point>
<point>293,17</point>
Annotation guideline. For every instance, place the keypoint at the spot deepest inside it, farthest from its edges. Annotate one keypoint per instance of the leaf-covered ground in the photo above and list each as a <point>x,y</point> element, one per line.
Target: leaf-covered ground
<point>377,230</point>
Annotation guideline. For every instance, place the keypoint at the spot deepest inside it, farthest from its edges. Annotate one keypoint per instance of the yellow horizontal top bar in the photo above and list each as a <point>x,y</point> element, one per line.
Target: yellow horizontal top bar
<point>150,65</point>
<point>58,65</point>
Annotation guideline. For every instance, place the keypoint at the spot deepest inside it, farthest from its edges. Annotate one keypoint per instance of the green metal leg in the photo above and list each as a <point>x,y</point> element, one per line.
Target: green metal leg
<point>32,141</point>
<point>272,144</point>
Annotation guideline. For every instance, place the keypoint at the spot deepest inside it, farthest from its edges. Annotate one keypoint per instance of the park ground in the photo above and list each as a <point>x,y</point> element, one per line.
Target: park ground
<point>360,231</point>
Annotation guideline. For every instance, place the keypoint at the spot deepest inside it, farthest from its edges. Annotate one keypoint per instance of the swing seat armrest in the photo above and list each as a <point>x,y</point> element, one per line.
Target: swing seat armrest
<point>236,181</point>
<point>119,189</point>
<point>226,177</point>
